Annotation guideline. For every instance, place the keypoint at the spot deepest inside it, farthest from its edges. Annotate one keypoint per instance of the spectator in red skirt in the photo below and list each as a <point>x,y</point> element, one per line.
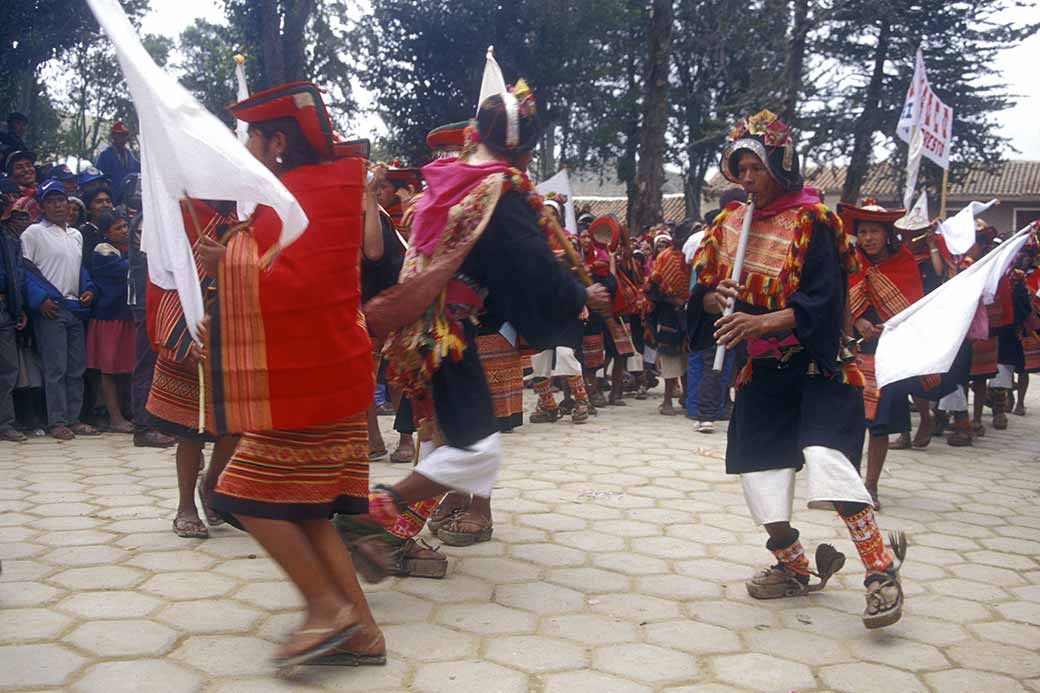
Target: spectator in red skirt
<point>110,334</point>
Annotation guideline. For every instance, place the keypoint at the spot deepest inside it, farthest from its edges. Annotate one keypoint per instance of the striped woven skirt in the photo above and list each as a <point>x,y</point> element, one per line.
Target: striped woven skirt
<point>984,358</point>
<point>173,400</point>
<point>1031,353</point>
<point>304,474</point>
<point>593,349</point>
<point>504,371</point>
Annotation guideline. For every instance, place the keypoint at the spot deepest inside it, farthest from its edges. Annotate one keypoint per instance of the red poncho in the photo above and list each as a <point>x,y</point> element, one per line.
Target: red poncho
<point>890,286</point>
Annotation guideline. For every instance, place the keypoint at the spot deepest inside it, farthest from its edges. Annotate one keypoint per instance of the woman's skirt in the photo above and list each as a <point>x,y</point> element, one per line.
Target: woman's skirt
<point>984,358</point>
<point>173,400</point>
<point>111,346</point>
<point>504,371</point>
<point>304,474</point>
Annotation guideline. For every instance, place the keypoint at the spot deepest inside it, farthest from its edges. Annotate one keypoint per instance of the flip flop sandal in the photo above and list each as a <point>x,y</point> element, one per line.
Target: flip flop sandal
<point>332,639</point>
<point>343,657</point>
<point>188,528</point>
<point>213,518</point>
<point>378,455</point>
<point>399,457</point>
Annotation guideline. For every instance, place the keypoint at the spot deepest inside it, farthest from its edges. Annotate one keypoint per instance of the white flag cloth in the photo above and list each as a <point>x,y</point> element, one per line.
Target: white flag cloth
<point>185,150</point>
<point>241,127</point>
<point>925,337</point>
<point>561,185</point>
<point>959,231</point>
<point>492,82</point>
<point>689,248</point>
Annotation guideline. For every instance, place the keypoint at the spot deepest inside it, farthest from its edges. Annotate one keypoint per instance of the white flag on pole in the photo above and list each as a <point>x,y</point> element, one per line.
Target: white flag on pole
<point>924,112</point>
<point>925,337</point>
<point>959,231</point>
<point>185,150</point>
<point>241,127</point>
<point>561,185</point>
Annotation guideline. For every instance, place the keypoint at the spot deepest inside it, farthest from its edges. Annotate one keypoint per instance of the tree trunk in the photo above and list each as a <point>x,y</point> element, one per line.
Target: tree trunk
<point>274,61</point>
<point>867,123</point>
<point>650,178</point>
<point>795,62</point>
<point>293,41</point>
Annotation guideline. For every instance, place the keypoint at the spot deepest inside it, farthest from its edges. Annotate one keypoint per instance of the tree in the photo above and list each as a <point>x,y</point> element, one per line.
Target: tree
<point>871,48</point>
<point>297,40</point>
<point>207,66</point>
<point>646,208</point>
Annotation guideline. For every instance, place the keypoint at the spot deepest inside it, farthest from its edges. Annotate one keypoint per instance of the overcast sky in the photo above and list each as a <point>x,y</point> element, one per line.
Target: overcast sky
<point>1018,66</point>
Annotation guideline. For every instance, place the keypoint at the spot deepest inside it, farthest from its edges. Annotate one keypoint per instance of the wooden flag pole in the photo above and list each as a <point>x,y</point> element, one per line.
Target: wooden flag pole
<point>942,194</point>
<point>202,372</point>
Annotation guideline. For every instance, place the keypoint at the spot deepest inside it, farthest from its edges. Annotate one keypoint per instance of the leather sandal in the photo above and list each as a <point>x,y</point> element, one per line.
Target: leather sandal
<point>448,506</point>
<point>884,591</point>
<point>361,649</point>
<point>779,581</point>
<point>466,528</point>
<point>308,644</point>
<point>903,442</point>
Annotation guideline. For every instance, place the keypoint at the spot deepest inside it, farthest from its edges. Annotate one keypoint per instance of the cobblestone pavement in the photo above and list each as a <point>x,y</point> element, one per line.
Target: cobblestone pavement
<point>617,566</point>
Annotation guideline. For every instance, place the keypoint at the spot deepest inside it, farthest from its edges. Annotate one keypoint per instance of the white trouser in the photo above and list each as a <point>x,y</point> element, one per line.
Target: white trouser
<point>1005,379</point>
<point>955,401</point>
<point>770,494</point>
<point>566,363</point>
<point>473,470</point>
<point>634,363</point>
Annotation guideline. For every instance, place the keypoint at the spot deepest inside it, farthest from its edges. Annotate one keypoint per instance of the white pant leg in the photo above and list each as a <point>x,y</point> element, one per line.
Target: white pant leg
<point>1005,377</point>
<point>634,363</point>
<point>542,364</point>
<point>473,470</point>
<point>832,478</point>
<point>769,495</point>
<point>567,363</point>
<point>955,401</point>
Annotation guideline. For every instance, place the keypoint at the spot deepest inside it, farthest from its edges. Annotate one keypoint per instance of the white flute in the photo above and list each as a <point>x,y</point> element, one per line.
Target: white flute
<point>738,267</point>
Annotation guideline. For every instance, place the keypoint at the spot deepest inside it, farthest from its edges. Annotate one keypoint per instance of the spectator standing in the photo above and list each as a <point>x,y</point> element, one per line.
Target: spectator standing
<point>59,294</point>
<point>20,166</point>
<point>63,174</point>
<point>110,333</point>
<point>12,317</point>
<point>116,160</point>
<point>97,202</point>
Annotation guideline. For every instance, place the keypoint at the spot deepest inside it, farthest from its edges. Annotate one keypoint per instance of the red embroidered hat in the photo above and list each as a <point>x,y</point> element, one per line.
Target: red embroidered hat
<point>352,149</point>
<point>447,138</point>
<point>298,100</point>
<point>869,212</point>
<point>605,231</point>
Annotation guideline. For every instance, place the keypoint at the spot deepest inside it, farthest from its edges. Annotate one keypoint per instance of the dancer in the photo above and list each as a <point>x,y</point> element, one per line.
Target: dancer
<point>303,451</point>
<point>798,398</point>
<point>478,249</point>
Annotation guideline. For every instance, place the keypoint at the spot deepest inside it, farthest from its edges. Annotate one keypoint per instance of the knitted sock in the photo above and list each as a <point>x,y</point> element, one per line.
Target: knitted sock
<point>578,392</point>
<point>543,388</point>
<point>866,535</point>
<point>791,556</point>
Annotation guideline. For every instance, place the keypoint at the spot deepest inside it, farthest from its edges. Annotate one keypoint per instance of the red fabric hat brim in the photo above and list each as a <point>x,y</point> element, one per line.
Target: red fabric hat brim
<point>300,101</point>
<point>447,136</point>
<point>359,149</point>
<point>851,215</point>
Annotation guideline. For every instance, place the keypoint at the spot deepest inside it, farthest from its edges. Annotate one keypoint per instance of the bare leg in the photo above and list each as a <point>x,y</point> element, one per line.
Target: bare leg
<point>1021,387</point>
<point>927,423</point>
<point>223,449</point>
<point>978,388</point>
<point>781,533</point>
<point>617,380</point>
<point>290,546</point>
<point>188,454</point>
<point>110,395</point>
<point>375,436</point>
<point>877,451</point>
<point>481,505</point>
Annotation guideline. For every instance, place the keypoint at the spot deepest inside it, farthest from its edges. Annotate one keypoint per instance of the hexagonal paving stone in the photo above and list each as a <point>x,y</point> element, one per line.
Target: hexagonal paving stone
<point>114,604</point>
<point>460,588</point>
<point>732,614</point>
<point>589,580</point>
<point>210,616</point>
<point>574,681</point>
<point>86,555</point>
<point>590,629</point>
<point>969,681</point>
<point>549,555</point>
<point>162,561</point>
<point>391,607</point>
<point>271,596</point>
<point>486,619</point>
<point>1020,634</point>
<point>122,638</point>
<point>807,648</point>
<point>763,672</point>
<point>677,587</point>
<point>226,655</point>
<point>155,675</point>
<point>188,585</point>
<point>534,655</point>
<point>109,577</point>
<point>647,663</point>
<point>540,597</point>
<point>22,625</point>
<point>28,666</point>
<point>693,637</point>
<point>14,594</point>
<point>991,656</point>
<point>869,678</point>
<point>425,642</point>
<point>498,570</point>
<point>635,607</point>
<point>473,675</point>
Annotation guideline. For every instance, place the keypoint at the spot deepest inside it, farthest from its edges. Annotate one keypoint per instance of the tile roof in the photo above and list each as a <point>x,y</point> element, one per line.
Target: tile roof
<point>674,206</point>
<point>1011,180</point>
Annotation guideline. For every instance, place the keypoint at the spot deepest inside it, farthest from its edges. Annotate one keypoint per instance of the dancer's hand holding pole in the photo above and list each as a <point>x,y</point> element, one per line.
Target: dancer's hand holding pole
<point>738,267</point>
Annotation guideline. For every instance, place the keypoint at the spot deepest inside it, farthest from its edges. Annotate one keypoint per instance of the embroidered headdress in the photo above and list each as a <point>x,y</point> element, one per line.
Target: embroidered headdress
<point>768,138</point>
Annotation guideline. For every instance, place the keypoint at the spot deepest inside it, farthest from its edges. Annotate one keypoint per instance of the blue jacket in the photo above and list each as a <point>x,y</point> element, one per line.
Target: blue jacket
<point>38,289</point>
<point>109,275</point>
<point>115,168</point>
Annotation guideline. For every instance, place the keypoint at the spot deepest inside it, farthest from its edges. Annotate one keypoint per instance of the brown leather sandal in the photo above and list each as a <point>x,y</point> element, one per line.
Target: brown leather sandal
<point>362,649</point>
<point>465,529</point>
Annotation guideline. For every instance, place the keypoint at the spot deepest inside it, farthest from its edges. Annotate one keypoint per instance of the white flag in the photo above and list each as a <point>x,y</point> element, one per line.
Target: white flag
<point>185,150</point>
<point>924,113</point>
<point>492,83</point>
<point>241,127</point>
<point>561,185</point>
<point>959,231</point>
<point>925,337</point>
